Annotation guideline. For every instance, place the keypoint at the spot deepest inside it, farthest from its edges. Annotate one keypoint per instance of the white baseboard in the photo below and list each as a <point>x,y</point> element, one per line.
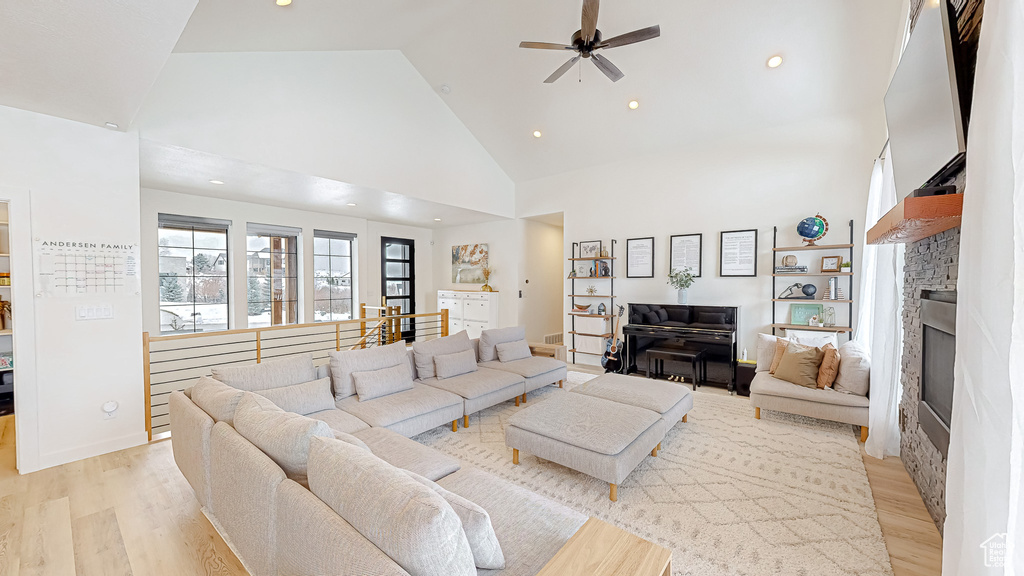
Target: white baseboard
<point>82,452</point>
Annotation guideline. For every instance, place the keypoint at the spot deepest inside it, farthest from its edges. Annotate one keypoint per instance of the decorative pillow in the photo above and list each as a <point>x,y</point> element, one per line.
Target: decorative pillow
<point>829,367</point>
<point>491,338</point>
<point>270,374</point>
<point>408,521</point>
<point>305,398</point>
<point>662,314</point>
<point>345,362</point>
<point>344,437</point>
<point>425,352</point>
<point>476,523</point>
<point>765,352</point>
<point>512,351</point>
<point>815,339</point>
<point>679,315</point>
<point>780,349</point>
<point>376,383</point>
<point>457,364</point>
<point>854,369</point>
<point>800,365</point>
<point>283,436</point>
<point>652,318</point>
<point>710,318</point>
<point>217,399</point>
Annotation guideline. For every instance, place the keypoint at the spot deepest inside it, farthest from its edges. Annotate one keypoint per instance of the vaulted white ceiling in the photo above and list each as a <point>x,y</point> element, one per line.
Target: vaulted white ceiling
<point>704,79</point>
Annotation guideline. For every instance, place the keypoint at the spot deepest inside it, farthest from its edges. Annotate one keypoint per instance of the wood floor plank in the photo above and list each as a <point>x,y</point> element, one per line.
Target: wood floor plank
<point>11,514</point>
<point>99,546</point>
<point>46,541</point>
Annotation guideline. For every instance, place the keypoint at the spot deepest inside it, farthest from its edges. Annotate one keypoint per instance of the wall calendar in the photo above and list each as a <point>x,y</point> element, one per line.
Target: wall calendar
<point>73,268</point>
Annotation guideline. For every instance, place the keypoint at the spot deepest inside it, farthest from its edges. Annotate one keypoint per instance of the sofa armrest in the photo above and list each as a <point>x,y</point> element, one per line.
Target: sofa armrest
<point>556,351</point>
<point>191,428</point>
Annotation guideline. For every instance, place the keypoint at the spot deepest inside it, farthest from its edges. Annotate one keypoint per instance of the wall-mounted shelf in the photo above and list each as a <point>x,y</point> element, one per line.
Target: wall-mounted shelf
<point>822,247</point>
<point>839,329</point>
<point>590,277</point>
<point>589,296</point>
<point>811,301</point>
<point>575,351</point>
<point>594,258</point>
<point>6,332</point>
<point>590,316</point>
<point>586,334</point>
<point>605,336</point>
<point>814,274</point>
<point>915,219</point>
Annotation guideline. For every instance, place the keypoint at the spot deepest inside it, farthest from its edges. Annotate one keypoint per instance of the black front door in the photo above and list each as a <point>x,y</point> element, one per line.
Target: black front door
<point>398,280</point>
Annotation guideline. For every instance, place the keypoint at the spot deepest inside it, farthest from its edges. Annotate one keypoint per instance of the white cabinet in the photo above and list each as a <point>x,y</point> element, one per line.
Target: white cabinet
<point>473,312</point>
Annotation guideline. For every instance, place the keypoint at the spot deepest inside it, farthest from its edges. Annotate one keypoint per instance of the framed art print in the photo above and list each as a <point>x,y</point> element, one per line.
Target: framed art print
<point>737,253</point>
<point>640,257</point>
<point>590,249</point>
<point>686,251</point>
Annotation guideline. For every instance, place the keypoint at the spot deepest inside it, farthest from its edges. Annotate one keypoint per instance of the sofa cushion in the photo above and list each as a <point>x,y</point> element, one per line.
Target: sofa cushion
<point>764,383</point>
<point>340,420</point>
<point>854,369</point>
<point>489,339</point>
<point>765,352</point>
<point>711,318</point>
<point>401,452</point>
<point>476,523</point>
<point>376,383</point>
<point>216,398</point>
<point>530,527</point>
<point>455,364</point>
<point>394,408</point>
<point>652,318</point>
<point>476,384</point>
<point>527,367</point>
<point>283,436</point>
<point>680,314</point>
<point>829,367</point>
<point>345,437</point>
<point>425,352</point>
<point>662,314</point>
<point>411,523</point>
<point>345,362</point>
<point>800,365</point>
<point>305,398</point>
<point>270,374</point>
<point>512,351</point>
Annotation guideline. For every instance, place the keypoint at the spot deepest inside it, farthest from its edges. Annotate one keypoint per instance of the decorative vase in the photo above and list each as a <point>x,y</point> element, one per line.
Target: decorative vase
<point>486,288</point>
<point>682,296</point>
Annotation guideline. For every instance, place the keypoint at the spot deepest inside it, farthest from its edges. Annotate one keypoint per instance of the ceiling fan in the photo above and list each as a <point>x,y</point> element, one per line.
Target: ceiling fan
<point>588,39</point>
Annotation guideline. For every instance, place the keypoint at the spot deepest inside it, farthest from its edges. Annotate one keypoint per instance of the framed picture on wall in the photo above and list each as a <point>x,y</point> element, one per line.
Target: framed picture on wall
<point>591,249</point>
<point>687,251</point>
<point>737,253</point>
<point>640,257</point>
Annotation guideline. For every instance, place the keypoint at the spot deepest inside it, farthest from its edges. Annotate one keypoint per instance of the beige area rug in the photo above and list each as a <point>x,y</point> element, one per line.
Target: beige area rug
<point>727,493</point>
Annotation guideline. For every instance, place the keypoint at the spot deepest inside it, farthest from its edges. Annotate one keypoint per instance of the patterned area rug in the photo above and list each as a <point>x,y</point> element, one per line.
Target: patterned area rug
<point>727,493</point>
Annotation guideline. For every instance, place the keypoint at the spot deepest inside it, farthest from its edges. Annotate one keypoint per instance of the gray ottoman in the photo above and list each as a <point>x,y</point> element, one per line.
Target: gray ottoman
<point>595,436</point>
<point>669,399</point>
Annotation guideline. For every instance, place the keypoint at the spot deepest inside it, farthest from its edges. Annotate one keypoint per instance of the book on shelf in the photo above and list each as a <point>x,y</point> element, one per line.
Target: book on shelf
<point>790,269</point>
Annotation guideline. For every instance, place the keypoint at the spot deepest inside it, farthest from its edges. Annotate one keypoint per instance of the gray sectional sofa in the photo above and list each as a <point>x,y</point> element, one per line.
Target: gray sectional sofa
<point>262,456</point>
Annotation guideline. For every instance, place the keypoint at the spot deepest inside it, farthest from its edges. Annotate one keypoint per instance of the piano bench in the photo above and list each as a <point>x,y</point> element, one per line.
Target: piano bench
<point>697,359</point>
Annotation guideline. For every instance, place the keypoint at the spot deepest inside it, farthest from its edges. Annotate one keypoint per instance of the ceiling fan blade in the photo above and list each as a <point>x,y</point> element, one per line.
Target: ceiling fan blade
<point>631,37</point>
<point>589,28</point>
<point>545,46</point>
<point>609,69</point>
<point>565,68</point>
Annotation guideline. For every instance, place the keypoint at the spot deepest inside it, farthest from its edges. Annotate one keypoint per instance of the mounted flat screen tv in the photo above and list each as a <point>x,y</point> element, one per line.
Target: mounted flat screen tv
<point>927,105</point>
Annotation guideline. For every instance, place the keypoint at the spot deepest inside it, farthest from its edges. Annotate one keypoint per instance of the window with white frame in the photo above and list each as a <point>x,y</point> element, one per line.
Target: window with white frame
<point>193,269</point>
<point>332,275</point>
<point>272,265</point>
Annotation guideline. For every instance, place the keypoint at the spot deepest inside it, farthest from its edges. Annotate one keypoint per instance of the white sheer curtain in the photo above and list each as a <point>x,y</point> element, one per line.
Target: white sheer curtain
<point>984,480</point>
<point>880,318</point>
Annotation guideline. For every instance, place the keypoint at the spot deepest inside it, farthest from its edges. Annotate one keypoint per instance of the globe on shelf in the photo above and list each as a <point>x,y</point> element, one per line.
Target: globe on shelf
<point>812,229</point>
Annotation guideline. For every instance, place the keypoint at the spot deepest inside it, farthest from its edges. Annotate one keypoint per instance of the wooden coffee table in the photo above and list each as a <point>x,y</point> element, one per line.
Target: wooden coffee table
<point>600,549</point>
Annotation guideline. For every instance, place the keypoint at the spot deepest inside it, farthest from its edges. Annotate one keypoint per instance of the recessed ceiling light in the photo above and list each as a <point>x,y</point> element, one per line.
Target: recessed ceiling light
<point>446,89</point>
<point>352,204</point>
<point>217,182</point>
<point>775,61</point>
<point>111,125</point>
<point>437,219</point>
<point>283,2</point>
<point>633,104</point>
<point>537,134</point>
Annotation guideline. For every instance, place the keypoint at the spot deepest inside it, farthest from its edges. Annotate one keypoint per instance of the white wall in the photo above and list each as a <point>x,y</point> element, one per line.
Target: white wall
<point>540,271</point>
<point>366,281</point>
<point>362,117</point>
<point>71,181</point>
<point>774,178</point>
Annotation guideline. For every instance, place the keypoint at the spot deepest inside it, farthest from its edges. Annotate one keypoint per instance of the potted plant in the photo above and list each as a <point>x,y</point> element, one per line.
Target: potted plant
<point>681,280</point>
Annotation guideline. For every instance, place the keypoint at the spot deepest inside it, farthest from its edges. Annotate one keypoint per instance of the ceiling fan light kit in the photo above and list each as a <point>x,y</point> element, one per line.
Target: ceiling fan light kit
<point>588,39</point>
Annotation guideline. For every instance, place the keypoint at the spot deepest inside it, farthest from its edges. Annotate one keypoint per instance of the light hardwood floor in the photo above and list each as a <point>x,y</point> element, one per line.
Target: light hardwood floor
<point>132,513</point>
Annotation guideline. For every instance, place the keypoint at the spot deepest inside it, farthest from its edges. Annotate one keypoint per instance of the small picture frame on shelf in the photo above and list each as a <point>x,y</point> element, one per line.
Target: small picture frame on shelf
<point>831,263</point>
<point>591,249</point>
<point>801,314</point>
<point>582,268</point>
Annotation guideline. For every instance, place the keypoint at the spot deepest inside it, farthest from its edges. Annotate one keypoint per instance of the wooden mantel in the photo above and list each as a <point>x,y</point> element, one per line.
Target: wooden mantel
<point>915,219</point>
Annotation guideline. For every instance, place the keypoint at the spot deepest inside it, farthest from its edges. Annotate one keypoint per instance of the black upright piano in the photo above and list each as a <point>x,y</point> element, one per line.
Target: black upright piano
<point>669,326</point>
